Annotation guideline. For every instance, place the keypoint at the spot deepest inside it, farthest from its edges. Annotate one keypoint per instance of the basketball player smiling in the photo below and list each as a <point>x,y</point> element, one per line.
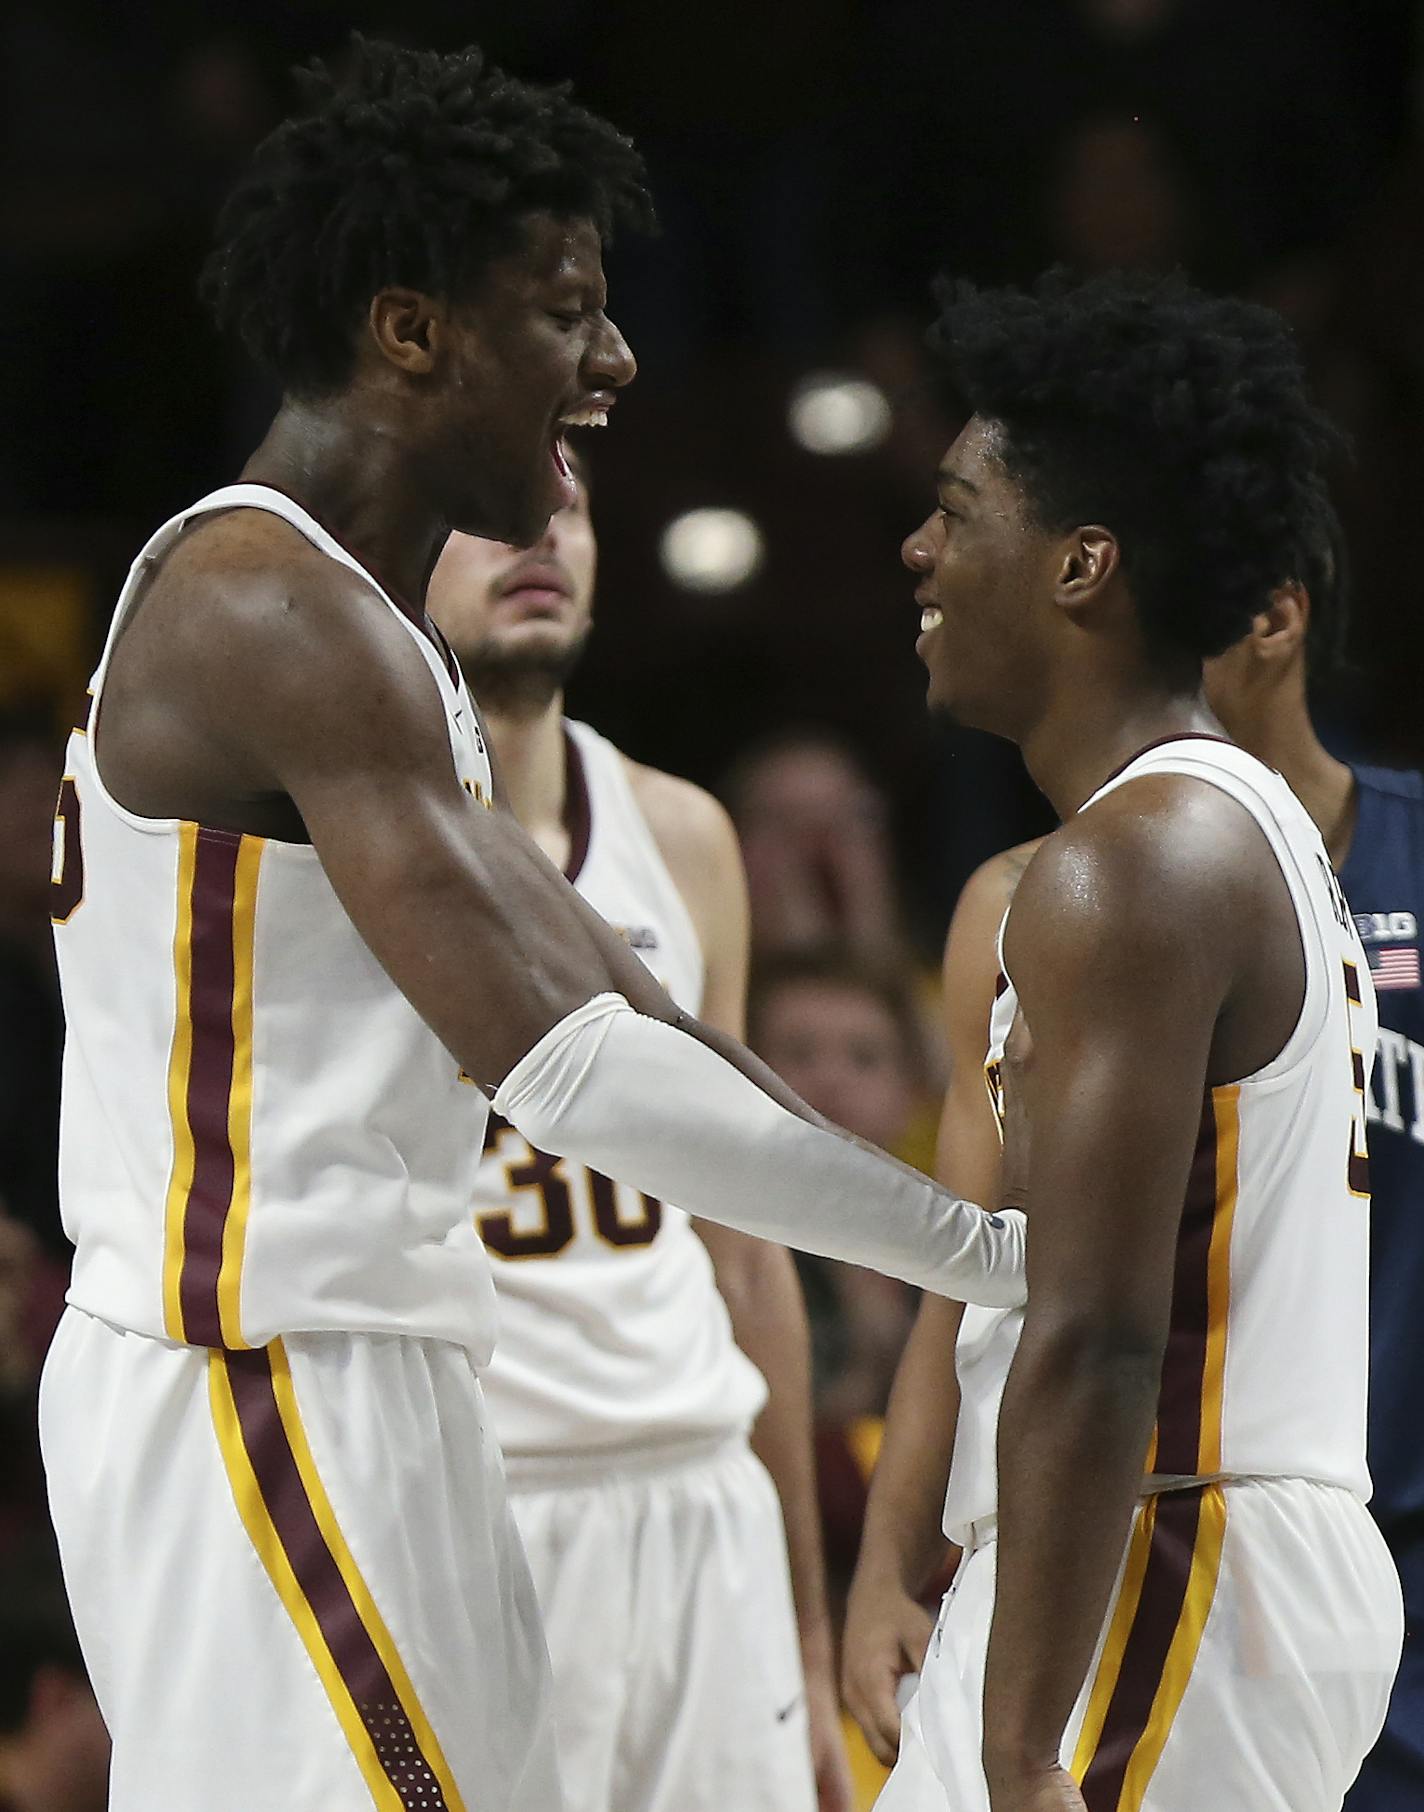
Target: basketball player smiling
<point>1177,1048</point>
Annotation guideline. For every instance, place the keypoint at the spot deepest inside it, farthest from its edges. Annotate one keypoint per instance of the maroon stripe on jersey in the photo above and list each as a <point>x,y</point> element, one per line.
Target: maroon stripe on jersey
<point>209,1083</point>
<point>578,813</point>
<point>1352,985</point>
<point>1001,984</point>
<point>285,1498</point>
<point>1159,1609</point>
<point>1179,1403</point>
<point>441,641</point>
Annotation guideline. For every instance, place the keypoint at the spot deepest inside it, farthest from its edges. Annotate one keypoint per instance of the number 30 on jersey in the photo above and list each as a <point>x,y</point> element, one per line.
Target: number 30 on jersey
<point>551,1191</point>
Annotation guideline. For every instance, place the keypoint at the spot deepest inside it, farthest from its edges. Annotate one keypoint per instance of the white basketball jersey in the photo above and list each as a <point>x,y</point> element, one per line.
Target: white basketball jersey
<point>1266,1364</point>
<point>259,1134</point>
<point>612,1334</point>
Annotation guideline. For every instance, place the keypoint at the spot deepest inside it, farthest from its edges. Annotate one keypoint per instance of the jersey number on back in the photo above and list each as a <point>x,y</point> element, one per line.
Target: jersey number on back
<point>538,1174</point>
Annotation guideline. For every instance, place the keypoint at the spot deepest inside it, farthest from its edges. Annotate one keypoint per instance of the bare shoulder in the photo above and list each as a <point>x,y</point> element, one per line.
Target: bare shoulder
<point>979,911</point>
<point>988,891</point>
<point>252,660</point>
<point>689,826</point>
<point>249,572</point>
<point>1165,866</point>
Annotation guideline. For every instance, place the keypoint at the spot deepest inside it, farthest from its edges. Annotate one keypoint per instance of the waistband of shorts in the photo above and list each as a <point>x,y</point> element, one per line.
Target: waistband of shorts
<point>605,1466</point>
<point>986,1528</point>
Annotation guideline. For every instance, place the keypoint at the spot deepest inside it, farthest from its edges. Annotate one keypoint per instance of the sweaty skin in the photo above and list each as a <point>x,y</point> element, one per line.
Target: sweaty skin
<point>260,687</point>
<point>1155,952</point>
<point>1258,691</point>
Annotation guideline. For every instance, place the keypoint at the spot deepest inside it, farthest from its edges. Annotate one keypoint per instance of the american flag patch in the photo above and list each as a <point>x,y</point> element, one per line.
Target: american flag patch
<point>1394,968</point>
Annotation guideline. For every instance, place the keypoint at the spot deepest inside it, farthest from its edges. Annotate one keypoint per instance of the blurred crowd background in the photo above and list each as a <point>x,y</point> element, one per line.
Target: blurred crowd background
<point>815,164</point>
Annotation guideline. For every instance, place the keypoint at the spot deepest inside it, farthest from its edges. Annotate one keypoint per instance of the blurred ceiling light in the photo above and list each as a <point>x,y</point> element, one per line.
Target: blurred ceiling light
<point>832,412</point>
<point>711,550</point>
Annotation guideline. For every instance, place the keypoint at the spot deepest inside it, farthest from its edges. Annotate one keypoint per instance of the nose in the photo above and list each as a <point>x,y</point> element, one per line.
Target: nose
<point>609,360</point>
<point>915,551</point>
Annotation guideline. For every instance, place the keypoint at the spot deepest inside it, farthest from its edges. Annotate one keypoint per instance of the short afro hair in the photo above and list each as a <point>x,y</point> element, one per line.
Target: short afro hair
<point>1178,420</point>
<point>407,168</point>
<point>1325,574</point>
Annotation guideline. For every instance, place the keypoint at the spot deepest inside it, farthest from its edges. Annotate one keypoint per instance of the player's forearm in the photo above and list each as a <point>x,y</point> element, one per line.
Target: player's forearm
<point>769,1322</point>
<point>1073,1432</point>
<point>641,1100</point>
<point>903,1539</point>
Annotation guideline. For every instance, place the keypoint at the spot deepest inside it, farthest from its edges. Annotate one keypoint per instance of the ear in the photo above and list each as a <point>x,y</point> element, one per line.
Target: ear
<point>1277,633</point>
<point>1089,558</point>
<point>408,329</point>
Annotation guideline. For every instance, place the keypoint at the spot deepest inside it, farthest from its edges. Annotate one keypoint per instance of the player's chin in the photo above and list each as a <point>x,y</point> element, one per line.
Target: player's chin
<point>939,693</point>
<point>519,519</point>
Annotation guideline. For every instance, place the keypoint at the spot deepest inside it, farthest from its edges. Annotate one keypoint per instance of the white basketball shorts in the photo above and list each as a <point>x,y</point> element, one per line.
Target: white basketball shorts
<point>667,1603</point>
<point>295,1577</point>
<point>1245,1665</point>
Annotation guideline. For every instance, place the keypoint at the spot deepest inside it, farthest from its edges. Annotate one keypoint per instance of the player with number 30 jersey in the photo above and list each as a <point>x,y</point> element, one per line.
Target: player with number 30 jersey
<point>612,1336</point>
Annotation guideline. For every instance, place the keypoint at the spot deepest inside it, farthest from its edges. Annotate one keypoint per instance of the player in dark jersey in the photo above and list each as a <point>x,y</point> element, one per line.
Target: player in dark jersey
<point>1372,820</point>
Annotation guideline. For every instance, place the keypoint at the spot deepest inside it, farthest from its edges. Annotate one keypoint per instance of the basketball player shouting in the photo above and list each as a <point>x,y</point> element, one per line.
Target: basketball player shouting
<point>1183,1601</point>
<point>621,1395</point>
<point>301,939</point>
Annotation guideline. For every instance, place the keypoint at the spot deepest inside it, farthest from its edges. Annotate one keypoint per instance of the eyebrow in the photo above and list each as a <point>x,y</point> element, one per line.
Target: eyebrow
<point>948,475</point>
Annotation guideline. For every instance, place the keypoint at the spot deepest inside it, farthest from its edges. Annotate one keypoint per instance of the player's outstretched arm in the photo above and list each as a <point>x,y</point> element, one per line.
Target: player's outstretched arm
<point>1117,949</point>
<point>902,1544</point>
<point>329,702</point>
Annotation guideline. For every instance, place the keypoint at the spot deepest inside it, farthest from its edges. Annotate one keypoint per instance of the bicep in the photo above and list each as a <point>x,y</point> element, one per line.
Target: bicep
<point>1110,1081</point>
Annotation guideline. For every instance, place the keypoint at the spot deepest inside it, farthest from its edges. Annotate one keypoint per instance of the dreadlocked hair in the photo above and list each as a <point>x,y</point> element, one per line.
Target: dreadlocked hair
<point>406,168</point>
<point>1178,420</point>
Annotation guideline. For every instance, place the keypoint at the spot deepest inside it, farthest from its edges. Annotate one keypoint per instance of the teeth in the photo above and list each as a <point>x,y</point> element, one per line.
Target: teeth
<point>930,618</point>
<point>586,418</point>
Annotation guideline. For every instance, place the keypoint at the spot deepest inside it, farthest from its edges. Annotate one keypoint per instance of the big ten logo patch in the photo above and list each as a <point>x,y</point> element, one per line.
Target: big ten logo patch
<point>1386,927</point>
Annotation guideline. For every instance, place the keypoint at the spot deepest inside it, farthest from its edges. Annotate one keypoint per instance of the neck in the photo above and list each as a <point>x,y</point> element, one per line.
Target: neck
<point>529,745</point>
<point>1070,752</point>
<point>1277,729</point>
<point>346,460</point>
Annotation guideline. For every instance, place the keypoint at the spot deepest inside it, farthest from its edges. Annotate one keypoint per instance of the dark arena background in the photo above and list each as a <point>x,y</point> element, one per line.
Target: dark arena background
<point>814,163</point>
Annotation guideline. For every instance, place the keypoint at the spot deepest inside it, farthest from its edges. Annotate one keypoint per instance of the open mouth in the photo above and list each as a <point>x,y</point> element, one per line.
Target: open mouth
<point>563,472</point>
<point>931,616</point>
<point>590,414</point>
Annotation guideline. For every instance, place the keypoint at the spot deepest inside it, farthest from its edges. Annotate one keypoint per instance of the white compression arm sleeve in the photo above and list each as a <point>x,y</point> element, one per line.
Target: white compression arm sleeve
<point>658,1109</point>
